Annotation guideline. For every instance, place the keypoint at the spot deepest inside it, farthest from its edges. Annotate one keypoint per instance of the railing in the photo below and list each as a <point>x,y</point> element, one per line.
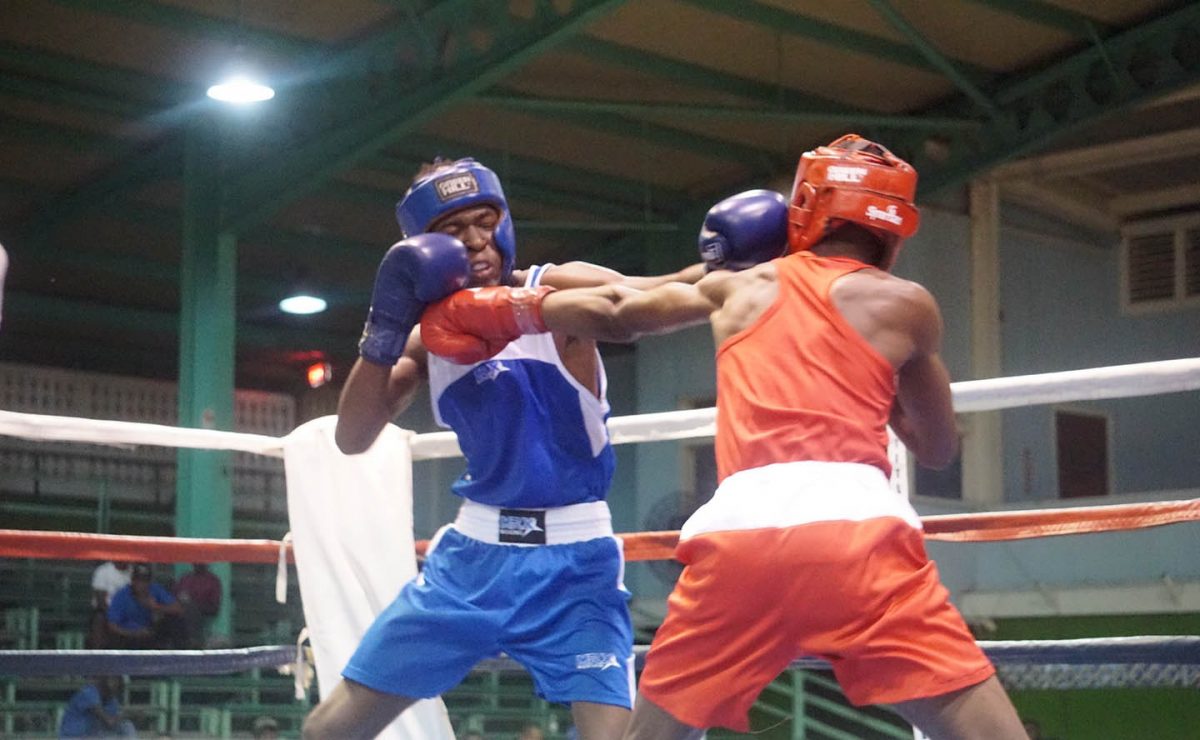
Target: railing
<point>794,691</point>
<point>204,706</point>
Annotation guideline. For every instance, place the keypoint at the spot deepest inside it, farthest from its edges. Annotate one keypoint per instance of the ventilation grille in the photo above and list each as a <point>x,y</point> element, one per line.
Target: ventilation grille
<point>1191,261</point>
<point>1161,262</point>
<point>1151,267</point>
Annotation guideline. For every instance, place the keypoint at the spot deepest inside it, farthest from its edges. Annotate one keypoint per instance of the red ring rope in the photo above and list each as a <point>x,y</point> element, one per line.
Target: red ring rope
<point>988,527</point>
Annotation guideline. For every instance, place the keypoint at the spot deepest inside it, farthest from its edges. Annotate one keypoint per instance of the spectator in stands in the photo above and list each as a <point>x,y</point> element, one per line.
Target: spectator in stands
<point>108,578</point>
<point>144,615</point>
<point>531,731</point>
<point>266,728</point>
<point>199,591</point>
<point>93,711</point>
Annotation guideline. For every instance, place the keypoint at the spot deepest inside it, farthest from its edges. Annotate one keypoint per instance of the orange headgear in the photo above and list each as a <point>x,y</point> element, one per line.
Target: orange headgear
<point>852,179</point>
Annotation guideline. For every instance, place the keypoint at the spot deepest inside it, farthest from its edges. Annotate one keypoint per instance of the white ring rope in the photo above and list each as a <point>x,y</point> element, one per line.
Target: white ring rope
<point>1119,381</point>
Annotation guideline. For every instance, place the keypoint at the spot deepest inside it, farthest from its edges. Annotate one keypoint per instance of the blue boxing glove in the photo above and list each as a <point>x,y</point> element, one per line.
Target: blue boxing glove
<point>415,272</point>
<point>744,230</point>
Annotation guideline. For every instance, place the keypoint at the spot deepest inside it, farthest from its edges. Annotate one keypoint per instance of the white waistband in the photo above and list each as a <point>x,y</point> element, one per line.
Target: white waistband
<point>561,525</point>
<point>788,494</point>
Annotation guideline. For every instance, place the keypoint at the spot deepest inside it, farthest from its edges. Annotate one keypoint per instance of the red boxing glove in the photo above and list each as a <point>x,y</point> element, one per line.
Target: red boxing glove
<point>472,325</point>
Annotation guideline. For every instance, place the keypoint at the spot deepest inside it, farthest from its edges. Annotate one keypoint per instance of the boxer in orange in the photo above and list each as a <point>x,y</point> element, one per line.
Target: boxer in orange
<point>804,549</point>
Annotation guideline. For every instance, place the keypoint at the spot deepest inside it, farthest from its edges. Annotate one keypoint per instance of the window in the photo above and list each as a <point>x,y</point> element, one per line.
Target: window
<point>1160,264</point>
<point>1081,443</point>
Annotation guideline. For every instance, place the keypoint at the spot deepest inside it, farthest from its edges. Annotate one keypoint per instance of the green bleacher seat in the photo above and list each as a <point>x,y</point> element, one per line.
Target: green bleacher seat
<point>29,719</point>
<point>68,640</point>
<point>21,628</point>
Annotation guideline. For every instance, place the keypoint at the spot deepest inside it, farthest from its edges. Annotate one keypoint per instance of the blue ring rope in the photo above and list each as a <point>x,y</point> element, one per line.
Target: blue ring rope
<point>1170,650</point>
<point>143,662</point>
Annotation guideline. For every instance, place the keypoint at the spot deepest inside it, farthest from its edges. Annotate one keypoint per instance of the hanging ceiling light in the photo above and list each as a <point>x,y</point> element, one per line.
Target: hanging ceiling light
<point>303,304</point>
<point>239,87</point>
<point>240,90</point>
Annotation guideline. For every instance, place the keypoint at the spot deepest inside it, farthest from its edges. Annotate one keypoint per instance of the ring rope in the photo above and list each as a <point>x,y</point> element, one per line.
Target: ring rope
<point>987,527</point>
<point>1118,381</point>
<point>143,662</point>
<point>1109,662</point>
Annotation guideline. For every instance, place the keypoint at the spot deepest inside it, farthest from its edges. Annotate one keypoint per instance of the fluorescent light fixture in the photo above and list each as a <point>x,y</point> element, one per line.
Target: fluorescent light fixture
<point>302,304</point>
<point>240,91</point>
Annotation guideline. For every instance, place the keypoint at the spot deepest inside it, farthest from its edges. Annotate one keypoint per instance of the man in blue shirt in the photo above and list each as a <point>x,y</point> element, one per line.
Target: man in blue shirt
<point>93,711</point>
<point>144,615</point>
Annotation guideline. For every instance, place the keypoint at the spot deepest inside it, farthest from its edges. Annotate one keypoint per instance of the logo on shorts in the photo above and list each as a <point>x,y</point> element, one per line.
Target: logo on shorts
<point>523,526</point>
<point>456,186</point>
<point>596,661</point>
<point>845,174</point>
<point>890,215</point>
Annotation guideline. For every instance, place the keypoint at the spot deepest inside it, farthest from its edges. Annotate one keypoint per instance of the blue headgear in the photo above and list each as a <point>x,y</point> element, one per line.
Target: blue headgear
<point>462,184</point>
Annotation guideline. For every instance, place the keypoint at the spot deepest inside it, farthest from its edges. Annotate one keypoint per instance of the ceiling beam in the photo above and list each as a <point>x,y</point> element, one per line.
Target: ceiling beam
<point>46,91</point>
<point>76,141</point>
<point>676,71</point>
<point>691,110</point>
<point>673,138</point>
<point>44,309</point>
<point>386,199</point>
<point>258,191</point>
<point>124,85</point>
<point>938,60</point>
<point>1154,58</point>
<point>1150,201</point>
<point>841,37</point>
<point>298,243</point>
<point>1067,206</point>
<point>145,163</point>
<point>544,182</point>
<point>1047,14</point>
<point>331,63</point>
<point>1103,157</point>
<point>191,23</point>
<point>705,78</point>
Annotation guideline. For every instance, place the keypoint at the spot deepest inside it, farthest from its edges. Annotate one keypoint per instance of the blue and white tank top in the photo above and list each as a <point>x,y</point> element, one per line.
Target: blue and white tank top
<point>533,436</point>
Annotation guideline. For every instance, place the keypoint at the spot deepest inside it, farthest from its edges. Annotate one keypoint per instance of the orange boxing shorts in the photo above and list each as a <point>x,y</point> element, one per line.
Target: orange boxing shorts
<point>861,594</point>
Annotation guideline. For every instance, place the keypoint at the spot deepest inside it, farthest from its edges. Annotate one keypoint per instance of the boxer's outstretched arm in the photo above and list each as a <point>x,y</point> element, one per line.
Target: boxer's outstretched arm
<point>617,313</point>
<point>588,275</point>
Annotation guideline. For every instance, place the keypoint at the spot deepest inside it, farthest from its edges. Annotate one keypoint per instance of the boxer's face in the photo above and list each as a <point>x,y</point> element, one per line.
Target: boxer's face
<point>475,227</point>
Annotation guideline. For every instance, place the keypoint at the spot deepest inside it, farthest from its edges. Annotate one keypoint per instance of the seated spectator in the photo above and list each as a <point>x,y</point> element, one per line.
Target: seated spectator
<point>93,711</point>
<point>199,591</point>
<point>266,728</point>
<point>531,731</point>
<point>108,578</point>
<point>144,615</point>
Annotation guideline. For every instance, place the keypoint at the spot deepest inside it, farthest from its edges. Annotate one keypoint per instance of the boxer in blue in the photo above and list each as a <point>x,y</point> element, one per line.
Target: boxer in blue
<point>530,567</point>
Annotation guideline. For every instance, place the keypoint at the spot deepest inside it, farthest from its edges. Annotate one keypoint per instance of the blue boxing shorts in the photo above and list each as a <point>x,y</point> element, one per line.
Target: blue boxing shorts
<point>559,608</point>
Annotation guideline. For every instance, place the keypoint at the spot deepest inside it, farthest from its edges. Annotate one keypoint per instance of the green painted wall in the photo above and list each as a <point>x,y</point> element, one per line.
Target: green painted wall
<point>1118,714</point>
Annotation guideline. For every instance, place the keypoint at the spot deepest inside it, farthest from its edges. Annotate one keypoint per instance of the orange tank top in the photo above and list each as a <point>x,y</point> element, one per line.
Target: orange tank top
<point>800,383</point>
